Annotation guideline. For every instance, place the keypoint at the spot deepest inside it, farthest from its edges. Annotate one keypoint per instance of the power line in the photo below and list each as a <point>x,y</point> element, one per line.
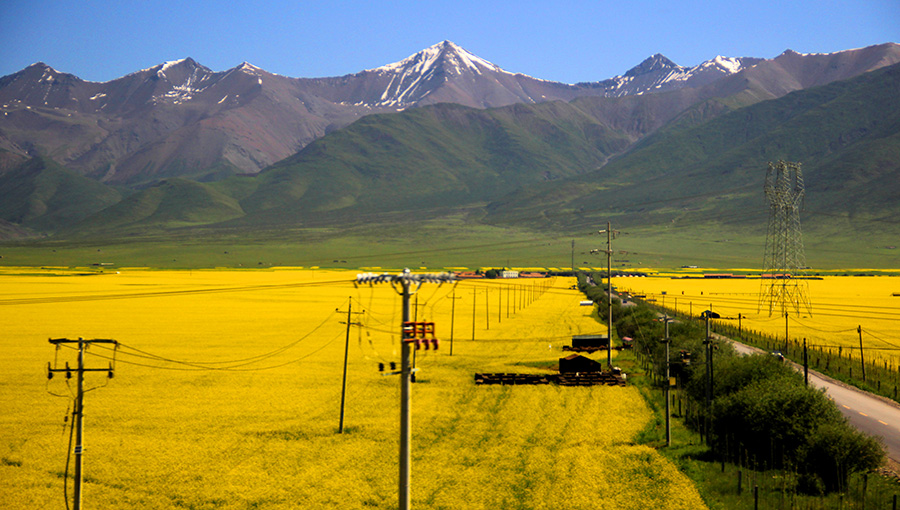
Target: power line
<point>164,293</point>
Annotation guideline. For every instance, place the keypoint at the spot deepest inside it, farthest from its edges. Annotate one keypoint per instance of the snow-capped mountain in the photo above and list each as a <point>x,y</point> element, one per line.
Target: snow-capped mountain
<point>414,78</point>
<point>659,74</point>
<point>180,118</point>
<point>443,73</point>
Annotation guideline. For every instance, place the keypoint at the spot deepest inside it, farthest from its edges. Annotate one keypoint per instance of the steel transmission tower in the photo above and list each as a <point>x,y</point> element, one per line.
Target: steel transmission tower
<point>783,287</point>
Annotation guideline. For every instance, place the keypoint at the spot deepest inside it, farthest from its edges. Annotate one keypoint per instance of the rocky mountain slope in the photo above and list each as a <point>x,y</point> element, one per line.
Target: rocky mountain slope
<point>181,119</point>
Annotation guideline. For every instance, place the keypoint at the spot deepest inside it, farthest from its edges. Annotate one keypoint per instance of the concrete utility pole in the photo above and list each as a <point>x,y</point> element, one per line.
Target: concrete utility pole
<point>610,234</point>
<point>79,402</point>
<point>862,357</point>
<point>453,299</point>
<point>573,256</point>
<point>474,311</point>
<point>403,284</point>
<point>350,312</point>
<point>668,386</point>
<point>707,315</point>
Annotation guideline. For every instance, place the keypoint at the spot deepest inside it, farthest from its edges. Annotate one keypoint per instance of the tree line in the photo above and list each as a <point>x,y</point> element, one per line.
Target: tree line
<point>757,412</point>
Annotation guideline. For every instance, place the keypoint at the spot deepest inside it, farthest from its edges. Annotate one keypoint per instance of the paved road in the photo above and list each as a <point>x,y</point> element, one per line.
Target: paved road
<point>869,413</point>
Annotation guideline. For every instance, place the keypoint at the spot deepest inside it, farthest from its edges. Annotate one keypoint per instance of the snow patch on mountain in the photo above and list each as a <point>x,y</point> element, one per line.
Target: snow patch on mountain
<point>424,61</point>
<point>409,76</point>
<point>168,65</point>
<point>657,73</point>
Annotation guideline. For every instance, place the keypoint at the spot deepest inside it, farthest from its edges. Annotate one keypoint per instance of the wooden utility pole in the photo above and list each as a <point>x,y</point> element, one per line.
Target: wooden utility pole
<point>79,402</point>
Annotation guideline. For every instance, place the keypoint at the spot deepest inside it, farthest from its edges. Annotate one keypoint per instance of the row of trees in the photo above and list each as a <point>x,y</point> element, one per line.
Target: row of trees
<point>760,413</point>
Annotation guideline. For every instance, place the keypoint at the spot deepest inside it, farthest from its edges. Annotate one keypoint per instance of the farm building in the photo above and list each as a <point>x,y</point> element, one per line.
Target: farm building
<point>578,363</point>
<point>599,341</point>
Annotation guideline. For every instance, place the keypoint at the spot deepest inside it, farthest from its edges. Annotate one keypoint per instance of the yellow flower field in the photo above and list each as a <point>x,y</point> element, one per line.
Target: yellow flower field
<point>838,306</point>
<point>227,395</point>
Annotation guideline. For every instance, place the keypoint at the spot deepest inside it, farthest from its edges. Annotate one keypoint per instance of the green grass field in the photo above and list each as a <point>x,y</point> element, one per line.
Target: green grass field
<point>449,242</point>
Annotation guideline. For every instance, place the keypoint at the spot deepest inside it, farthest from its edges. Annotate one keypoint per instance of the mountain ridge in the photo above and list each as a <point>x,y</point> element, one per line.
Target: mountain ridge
<point>181,119</point>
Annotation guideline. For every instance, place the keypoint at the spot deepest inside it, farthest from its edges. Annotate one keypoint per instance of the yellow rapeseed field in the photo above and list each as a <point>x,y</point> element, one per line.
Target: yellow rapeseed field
<point>839,305</point>
<point>227,392</point>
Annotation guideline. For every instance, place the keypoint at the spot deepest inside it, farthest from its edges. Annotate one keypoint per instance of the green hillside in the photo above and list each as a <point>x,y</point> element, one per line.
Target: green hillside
<point>456,179</point>
<point>434,157</point>
<point>41,195</point>
<point>699,188</point>
<point>170,204</point>
<point>846,135</point>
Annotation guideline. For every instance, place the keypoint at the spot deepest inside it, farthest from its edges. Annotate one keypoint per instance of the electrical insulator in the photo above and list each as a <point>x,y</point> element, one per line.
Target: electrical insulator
<point>68,371</point>
<point>435,343</point>
<point>109,374</point>
<point>381,367</point>
<point>393,366</point>
<point>49,372</point>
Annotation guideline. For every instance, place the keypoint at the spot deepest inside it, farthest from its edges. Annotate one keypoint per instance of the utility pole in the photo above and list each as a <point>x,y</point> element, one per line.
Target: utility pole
<point>474,312</point>
<point>79,402</point>
<point>862,358</point>
<point>403,284</point>
<point>487,308</point>
<point>350,312</point>
<point>573,257</point>
<point>805,364</point>
<point>453,299</point>
<point>786,333</point>
<point>707,315</point>
<point>668,386</point>
<point>610,234</point>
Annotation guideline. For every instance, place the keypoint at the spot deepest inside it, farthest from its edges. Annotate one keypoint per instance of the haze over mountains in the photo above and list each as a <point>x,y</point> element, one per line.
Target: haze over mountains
<point>441,130</point>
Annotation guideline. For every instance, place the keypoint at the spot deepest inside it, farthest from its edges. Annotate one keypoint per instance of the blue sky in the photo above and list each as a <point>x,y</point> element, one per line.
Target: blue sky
<point>568,41</point>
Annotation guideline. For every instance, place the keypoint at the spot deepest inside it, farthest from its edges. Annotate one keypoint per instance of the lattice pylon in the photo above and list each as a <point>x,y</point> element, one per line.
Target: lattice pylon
<point>783,285</point>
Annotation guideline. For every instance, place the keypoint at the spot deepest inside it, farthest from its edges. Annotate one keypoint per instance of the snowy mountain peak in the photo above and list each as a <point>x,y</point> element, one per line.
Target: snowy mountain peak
<point>41,66</point>
<point>411,79</point>
<point>653,63</point>
<point>183,79</point>
<point>445,54</point>
<point>247,67</point>
<point>728,64</point>
<point>178,67</point>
